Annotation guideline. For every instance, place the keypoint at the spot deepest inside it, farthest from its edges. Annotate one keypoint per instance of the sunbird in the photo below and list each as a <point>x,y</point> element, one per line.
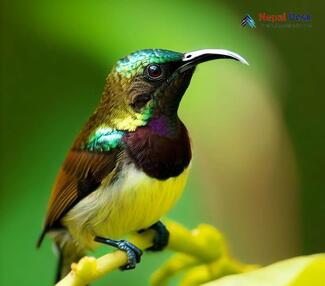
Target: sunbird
<point>129,164</point>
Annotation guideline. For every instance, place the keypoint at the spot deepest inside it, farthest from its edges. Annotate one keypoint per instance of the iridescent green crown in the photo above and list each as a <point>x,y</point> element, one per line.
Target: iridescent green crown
<point>134,63</point>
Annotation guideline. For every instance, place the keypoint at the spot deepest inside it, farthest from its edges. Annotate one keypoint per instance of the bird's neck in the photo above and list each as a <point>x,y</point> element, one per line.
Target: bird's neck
<point>167,126</point>
<point>161,148</point>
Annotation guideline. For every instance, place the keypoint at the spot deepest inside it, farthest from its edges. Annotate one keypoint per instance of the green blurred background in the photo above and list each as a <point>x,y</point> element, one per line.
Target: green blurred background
<point>258,131</point>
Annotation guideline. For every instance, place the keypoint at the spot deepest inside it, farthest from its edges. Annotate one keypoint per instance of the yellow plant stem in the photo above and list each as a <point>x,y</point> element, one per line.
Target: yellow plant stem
<point>89,269</point>
<point>202,251</point>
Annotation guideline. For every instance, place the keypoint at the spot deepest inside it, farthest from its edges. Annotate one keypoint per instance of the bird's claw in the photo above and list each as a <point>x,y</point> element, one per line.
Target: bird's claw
<point>161,237</point>
<point>134,254</point>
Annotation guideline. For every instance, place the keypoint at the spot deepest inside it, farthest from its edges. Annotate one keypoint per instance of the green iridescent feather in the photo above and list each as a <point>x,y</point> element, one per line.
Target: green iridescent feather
<point>147,113</point>
<point>104,139</point>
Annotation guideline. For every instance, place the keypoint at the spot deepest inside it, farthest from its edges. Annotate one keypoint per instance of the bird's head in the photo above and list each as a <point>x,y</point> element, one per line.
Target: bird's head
<point>149,84</point>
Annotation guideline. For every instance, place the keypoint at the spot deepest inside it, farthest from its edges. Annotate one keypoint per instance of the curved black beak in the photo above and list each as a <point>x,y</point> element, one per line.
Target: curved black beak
<point>194,58</point>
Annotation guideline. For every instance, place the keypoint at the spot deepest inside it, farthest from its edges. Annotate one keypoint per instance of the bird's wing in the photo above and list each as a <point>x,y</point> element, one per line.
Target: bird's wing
<point>82,173</point>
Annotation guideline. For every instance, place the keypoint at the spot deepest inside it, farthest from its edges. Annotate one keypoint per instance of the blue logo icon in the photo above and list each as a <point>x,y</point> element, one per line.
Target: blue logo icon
<point>248,21</point>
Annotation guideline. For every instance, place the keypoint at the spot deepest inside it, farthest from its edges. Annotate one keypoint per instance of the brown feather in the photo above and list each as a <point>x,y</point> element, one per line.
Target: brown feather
<point>82,173</point>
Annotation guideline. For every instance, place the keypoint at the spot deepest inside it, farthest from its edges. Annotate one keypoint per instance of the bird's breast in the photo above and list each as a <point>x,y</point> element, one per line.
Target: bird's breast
<point>134,201</point>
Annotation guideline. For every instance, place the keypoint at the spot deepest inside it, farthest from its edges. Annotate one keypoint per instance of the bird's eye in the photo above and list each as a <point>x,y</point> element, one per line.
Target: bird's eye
<point>154,71</point>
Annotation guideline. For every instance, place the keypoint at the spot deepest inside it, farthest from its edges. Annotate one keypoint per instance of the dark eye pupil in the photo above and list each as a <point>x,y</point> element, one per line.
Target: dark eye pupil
<point>154,71</point>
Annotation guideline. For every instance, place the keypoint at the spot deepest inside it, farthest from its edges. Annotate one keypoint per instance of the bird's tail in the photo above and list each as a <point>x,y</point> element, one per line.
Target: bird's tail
<point>68,252</point>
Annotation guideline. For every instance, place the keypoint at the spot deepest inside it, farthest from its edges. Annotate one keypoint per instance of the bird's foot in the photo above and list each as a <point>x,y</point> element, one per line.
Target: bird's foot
<point>133,252</point>
<point>161,237</point>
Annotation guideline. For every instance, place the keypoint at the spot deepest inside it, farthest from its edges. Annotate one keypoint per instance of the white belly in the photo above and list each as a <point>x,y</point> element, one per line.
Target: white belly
<point>135,201</point>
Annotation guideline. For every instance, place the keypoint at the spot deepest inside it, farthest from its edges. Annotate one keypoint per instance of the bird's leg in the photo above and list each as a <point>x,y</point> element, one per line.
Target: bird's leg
<point>133,253</point>
<point>161,238</point>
